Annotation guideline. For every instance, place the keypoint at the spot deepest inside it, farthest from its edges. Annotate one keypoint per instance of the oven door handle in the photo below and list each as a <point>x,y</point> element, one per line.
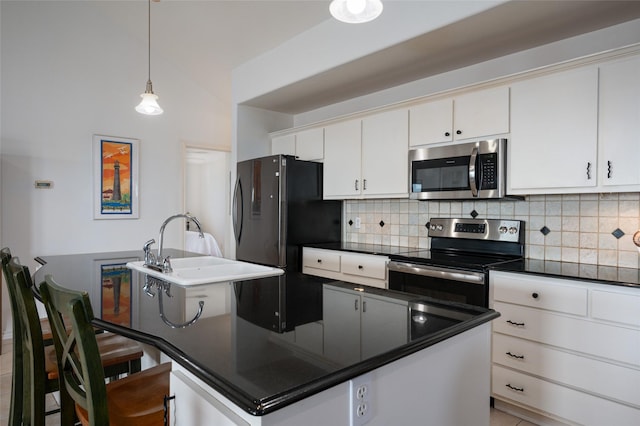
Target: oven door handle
<point>437,272</point>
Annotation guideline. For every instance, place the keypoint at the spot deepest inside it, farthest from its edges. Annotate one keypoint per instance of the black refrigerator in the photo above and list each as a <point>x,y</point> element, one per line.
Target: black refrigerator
<point>277,208</point>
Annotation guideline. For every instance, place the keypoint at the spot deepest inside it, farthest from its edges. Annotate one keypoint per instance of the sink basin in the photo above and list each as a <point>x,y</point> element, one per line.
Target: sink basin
<point>189,271</point>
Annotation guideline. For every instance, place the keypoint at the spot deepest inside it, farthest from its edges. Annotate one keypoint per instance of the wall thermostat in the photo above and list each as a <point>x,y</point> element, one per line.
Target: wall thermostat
<point>44,184</point>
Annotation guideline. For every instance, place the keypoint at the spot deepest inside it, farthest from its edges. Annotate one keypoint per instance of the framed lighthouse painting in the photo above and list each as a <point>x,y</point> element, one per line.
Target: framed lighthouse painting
<point>115,177</point>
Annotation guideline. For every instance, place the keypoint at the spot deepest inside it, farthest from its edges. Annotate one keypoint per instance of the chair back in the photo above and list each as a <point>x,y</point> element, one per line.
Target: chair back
<point>35,383</point>
<point>79,365</point>
<point>15,409</point>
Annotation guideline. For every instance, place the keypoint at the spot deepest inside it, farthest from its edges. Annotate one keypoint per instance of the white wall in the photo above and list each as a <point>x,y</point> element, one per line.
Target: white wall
<point>69,72</point>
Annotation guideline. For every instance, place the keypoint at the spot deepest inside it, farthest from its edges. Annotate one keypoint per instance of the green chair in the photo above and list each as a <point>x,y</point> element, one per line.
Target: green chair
<point>35,369</point>
<point>138,399</point>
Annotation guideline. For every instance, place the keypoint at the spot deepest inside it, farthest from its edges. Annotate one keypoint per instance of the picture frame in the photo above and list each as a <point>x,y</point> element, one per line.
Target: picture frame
<point>116,167</point>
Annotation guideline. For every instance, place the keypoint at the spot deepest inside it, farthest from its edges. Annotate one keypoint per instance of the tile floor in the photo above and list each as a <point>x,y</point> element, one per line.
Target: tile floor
<point>498,418</point>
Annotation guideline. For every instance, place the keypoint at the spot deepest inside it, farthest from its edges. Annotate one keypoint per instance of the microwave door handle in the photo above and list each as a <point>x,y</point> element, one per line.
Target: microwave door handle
<point>472,172</point>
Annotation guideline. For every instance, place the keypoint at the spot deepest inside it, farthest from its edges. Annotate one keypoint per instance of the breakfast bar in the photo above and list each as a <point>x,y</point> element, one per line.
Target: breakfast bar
<point>343,353</point>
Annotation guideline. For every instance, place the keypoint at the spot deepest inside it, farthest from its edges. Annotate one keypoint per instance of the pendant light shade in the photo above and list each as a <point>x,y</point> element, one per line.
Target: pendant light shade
<point>149,104</point>
<point>355,11</point>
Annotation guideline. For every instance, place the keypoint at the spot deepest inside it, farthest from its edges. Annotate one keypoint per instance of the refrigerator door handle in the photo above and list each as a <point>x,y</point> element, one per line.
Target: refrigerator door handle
<point>238,219</point>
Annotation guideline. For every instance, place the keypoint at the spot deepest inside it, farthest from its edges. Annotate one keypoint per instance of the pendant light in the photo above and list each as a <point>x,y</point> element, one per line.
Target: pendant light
<point>355,11</point>
<point>149,104</point>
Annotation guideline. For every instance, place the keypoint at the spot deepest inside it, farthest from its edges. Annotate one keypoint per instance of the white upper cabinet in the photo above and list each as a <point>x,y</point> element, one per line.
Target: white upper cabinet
<point>310,144</point>
<point>553,146</point>
<point>306,145</point>
<point>342,142</point>
<point>619,125</point>
<point>367,158</point>
<point>385,157</point>
<point>481,113</point>
<point>470,115</point>
<point>285,145</point>
<point>431,122</point>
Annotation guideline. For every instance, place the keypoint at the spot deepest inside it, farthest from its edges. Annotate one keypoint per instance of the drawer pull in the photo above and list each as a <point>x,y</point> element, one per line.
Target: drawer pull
<point>517,324</point>
<point>515,356</point>
<point>319,260</point>
<point>360,267</point>
<point>535,295</point>
<point>514,388</point>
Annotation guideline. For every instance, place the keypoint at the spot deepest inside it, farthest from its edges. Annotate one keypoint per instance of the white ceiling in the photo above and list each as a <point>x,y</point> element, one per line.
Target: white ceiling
<point>222,34</point>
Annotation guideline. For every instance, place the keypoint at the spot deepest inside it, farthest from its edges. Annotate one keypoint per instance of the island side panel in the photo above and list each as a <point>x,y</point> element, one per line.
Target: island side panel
<point>447,384</point>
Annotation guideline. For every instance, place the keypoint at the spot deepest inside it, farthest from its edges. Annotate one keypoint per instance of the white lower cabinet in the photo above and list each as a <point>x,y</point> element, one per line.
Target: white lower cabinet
<point>379,323</point>
<point>358,268</point>
<point>566,349</point>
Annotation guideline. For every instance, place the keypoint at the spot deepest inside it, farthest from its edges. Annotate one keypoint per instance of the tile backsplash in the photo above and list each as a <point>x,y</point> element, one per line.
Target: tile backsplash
<point>584,228</point>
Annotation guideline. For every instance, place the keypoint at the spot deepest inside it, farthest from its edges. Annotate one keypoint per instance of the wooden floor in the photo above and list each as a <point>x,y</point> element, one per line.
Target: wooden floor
<point>498,418</point>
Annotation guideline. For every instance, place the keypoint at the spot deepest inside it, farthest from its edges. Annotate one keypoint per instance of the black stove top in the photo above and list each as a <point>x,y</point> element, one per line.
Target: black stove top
<point>471,244</point>
<point>471,261</point>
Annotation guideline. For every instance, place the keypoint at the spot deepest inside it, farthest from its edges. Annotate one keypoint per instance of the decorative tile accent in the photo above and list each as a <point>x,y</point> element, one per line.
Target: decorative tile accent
<point>350,222</point>
<point>618,233</point>
<point>381,223</point>
<point>474,214</point>
<point>545,230</point>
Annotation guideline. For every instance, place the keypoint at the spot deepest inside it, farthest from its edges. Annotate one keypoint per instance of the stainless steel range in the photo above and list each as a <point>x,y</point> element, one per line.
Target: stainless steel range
<point>456,268</point>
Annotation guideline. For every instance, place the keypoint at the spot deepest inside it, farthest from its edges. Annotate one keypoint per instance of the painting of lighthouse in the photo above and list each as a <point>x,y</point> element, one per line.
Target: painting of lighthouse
<point>116,177</point>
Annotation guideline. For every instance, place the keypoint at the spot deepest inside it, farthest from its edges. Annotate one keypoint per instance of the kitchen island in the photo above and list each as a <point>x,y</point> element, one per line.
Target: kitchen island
<point>240,363</point>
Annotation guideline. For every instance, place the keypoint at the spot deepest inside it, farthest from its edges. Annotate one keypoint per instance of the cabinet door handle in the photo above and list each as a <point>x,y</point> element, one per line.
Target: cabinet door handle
<point>364,184</point>
<point>589,171</point>
<point>364,306</point>
<point>517,324</point>
<point>535,295</point>
<point>609,166</point>
<point>447,134</point>
<point>356,184</point>
<point>515,356</point>
<point>360,267</point>
<point>458,132</point>
<point>355,305</point>
<point>319,260</point>
<point>514,388</point>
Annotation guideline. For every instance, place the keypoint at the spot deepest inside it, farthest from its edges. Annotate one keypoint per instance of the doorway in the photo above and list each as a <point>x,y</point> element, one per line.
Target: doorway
<point>207,190</point>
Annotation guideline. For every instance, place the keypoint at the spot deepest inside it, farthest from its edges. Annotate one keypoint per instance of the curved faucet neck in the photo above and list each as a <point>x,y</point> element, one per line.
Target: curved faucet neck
<point>169,219</point>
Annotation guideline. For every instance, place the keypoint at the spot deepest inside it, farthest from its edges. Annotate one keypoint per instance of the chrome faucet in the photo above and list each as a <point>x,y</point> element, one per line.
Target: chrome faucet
<point>164,263</point>
<point>158,262</point>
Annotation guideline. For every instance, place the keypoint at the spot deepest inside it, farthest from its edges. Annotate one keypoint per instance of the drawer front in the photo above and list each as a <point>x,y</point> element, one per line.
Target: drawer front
<point>609,380</point>
<point>544,293</point>
<point>618,307</point>
<point>616,343</point>
<point>327,260</point>
<point>560,401</point>
<point>365,265</point>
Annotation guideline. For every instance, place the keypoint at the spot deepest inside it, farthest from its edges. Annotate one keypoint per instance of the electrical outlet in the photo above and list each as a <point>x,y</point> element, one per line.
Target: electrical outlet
<point>361,400</point>
<point>357,223</point>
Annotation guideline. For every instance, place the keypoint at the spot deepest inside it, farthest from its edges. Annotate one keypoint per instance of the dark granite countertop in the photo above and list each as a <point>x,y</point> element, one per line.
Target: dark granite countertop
<point>613,275</point>
<point>237,346</point>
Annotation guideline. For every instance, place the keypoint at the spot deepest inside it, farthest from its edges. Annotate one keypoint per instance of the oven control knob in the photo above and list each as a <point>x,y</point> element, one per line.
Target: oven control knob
<point>513,230</point>
<point>439,227</point>
<point>433,227</point>
<point>503,229</point>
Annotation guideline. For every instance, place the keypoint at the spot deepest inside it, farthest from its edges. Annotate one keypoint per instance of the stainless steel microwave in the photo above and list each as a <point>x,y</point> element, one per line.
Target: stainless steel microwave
<point>458,172</point>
